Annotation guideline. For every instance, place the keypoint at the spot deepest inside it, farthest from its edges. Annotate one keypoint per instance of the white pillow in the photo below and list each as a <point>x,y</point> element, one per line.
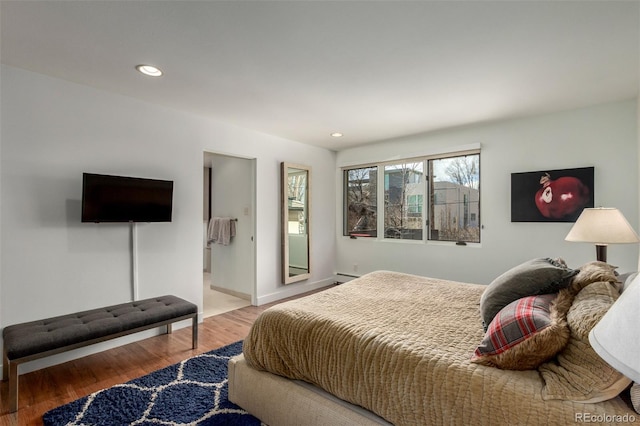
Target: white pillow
<point>630,278</point>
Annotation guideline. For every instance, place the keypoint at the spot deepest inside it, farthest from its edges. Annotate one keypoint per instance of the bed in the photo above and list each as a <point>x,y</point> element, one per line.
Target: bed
<point>393,348</point>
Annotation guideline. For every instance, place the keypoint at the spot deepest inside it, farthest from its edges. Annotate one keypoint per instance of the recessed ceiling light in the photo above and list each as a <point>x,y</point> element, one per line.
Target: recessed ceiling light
<point>336,135</point>
<point>149,70</point>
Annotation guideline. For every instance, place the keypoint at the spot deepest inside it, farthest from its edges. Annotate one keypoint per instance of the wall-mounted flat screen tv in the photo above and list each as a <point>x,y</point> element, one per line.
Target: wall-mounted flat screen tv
<point>107,198</point>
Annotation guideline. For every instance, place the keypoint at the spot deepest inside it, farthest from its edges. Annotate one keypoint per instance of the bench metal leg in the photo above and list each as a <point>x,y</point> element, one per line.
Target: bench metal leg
<point>5,363</point>
<point>13,385</point>
<point>194,332</point>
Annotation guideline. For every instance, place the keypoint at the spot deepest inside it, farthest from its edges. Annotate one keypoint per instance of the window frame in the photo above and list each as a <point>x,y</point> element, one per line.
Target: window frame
<point>345,196</point>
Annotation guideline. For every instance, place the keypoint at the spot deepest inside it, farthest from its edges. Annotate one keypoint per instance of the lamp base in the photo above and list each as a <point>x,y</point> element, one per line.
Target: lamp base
<point>601,252</point>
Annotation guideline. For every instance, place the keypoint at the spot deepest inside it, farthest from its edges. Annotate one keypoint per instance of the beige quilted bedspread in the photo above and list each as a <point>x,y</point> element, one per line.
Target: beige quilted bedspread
<point>399,345</point>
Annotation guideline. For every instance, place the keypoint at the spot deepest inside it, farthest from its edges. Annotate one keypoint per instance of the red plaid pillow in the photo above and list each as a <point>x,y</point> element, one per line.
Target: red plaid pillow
<point>524,334</point>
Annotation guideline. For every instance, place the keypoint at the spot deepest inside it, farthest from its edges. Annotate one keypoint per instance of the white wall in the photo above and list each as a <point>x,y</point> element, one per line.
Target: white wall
<point>603,136</point>
<point>53,130</point>
<point>1,134</point>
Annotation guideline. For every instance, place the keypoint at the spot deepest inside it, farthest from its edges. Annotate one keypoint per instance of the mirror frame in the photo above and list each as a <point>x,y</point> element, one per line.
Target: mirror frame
<point>284,222</point>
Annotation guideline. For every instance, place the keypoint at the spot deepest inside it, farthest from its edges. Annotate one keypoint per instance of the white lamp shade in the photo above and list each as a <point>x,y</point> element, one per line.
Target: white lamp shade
<point>616,338</point>
<point>602,225</point>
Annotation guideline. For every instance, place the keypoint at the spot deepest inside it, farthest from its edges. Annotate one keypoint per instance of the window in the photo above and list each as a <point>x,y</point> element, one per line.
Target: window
<point>455,194</point>
<point>360,207</point>
<point>414,205</point>
<point>403,183</point>
<point>433,198</point>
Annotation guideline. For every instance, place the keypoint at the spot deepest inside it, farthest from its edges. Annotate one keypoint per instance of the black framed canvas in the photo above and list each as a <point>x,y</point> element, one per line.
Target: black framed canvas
<point>551,195</point>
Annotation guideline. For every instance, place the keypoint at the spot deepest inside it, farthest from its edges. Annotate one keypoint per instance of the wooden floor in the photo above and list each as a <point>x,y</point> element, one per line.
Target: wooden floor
<point>51,387</point>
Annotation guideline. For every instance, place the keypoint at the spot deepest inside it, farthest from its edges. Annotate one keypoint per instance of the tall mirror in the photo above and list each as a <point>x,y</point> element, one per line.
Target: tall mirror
<point>295,197</point>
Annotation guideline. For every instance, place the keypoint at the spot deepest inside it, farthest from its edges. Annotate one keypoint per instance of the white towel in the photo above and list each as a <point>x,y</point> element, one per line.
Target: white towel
<point>221,230</point>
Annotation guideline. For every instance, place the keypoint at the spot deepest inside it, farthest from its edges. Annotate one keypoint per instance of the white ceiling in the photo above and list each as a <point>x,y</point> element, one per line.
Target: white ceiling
<point>372,70</point>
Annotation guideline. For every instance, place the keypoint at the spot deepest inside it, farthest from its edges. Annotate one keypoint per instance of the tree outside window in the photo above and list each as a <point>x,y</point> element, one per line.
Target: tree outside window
<point>361,195</point>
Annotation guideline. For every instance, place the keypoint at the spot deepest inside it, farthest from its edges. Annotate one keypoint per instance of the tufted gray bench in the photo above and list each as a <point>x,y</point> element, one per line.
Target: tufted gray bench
<point>38,339</point>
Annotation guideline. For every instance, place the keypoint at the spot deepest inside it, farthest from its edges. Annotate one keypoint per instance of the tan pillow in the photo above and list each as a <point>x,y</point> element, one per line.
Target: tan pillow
<point>578,373</point>
<point>593,272</point>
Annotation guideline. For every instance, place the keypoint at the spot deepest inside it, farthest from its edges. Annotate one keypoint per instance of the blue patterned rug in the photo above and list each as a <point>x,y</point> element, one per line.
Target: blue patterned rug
<point>192,392</point>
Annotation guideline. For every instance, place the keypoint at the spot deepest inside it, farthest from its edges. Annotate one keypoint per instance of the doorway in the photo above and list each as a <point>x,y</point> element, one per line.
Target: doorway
<point>228,262</point>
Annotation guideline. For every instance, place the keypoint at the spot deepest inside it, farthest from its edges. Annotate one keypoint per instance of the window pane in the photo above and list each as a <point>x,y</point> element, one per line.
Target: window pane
<point>403,198</point>
<point>361,202</point>
<point>455,199</point>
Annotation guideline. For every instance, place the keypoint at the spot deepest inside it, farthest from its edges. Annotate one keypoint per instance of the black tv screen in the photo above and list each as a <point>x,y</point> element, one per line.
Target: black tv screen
<point>108,198</point>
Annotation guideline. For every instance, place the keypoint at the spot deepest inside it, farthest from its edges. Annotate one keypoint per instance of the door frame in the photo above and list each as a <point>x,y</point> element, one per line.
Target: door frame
<point>252,261</point>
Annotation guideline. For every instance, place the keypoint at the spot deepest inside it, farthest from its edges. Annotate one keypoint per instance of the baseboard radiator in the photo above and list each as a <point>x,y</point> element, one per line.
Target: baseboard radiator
<point>343,278</point>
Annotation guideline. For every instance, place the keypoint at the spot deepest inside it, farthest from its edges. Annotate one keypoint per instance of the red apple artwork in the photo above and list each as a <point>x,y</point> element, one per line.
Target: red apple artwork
<point>561,197</point>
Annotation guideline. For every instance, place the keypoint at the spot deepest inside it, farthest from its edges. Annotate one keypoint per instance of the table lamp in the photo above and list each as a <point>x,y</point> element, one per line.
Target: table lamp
<point>602,226</point>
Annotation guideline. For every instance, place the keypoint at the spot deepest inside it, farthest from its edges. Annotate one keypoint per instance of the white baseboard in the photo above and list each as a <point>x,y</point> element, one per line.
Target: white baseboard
<point>294,290</point>
<point>238,294</point>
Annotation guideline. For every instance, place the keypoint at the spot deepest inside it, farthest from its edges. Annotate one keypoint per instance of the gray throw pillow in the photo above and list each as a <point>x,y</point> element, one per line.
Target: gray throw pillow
<point>537,276</point>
